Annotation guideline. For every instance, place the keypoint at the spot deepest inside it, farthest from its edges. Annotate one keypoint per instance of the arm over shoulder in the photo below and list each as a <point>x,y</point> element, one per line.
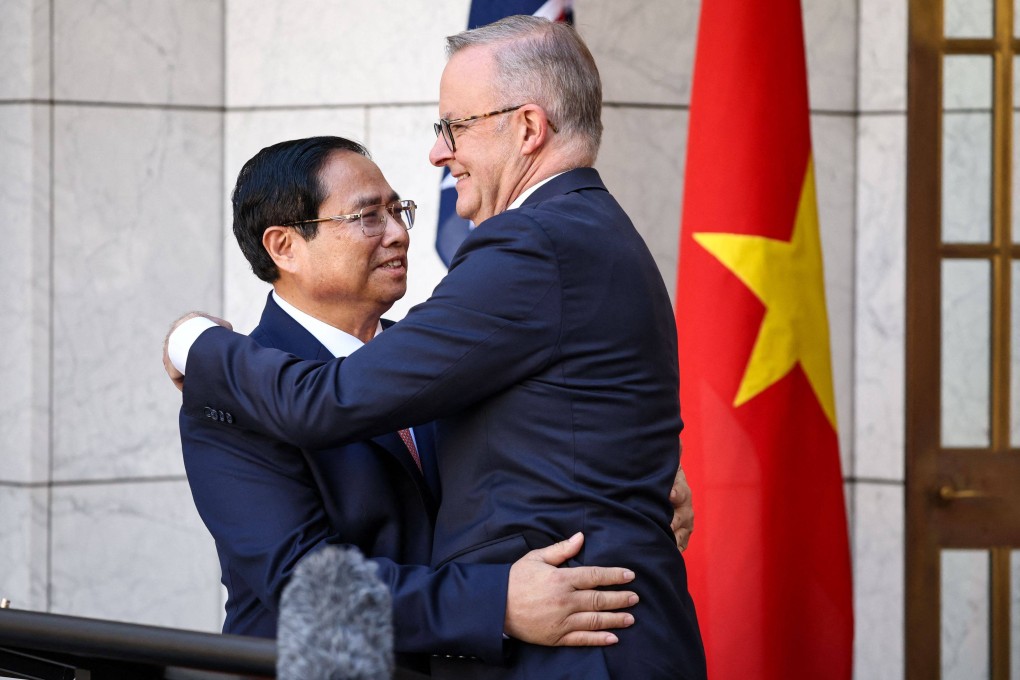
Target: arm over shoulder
<point>493,321</point>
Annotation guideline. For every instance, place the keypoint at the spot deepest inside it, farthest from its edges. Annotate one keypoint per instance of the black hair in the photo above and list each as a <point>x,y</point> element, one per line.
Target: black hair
<point>279,185</point>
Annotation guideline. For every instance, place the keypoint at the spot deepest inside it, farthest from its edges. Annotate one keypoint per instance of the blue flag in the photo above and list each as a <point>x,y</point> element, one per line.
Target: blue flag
<point>452,228</point>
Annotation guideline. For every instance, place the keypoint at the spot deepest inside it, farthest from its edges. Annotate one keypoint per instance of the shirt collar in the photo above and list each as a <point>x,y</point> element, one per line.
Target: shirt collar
<point>519,201</point>
<point>339,343</point>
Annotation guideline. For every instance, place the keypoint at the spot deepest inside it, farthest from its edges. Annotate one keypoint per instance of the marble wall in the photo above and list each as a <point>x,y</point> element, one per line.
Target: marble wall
<point>122,128</point>
<point>879,312</point>
<point>112,172</point>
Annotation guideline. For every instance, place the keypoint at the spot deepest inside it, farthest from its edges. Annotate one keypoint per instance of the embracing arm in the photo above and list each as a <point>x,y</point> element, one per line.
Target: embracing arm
<point>492,322</point>
<point>465,609</point>
<point>265,516</point>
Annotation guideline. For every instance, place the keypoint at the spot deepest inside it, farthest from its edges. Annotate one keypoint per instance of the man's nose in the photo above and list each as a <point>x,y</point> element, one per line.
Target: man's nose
<point>395,233</point>
<point>440,154</point>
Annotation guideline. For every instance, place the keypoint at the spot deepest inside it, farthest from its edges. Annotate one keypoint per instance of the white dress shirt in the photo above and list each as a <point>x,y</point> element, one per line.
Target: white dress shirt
<point>338,342</point>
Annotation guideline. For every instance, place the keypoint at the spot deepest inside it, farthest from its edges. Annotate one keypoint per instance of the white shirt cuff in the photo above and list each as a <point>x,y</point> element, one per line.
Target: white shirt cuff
<point>183,337</point>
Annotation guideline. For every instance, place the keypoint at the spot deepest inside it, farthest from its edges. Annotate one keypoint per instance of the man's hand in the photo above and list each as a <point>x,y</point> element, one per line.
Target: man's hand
<point>556,607</point>
<point>176,376</point>
<point>683,511</point>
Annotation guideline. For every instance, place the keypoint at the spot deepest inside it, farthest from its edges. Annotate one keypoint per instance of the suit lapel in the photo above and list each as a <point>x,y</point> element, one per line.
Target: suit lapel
<point>279,330</point>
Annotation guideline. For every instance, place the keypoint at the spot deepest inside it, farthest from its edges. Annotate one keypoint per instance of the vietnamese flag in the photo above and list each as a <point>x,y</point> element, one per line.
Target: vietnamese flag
<point>769,566</point>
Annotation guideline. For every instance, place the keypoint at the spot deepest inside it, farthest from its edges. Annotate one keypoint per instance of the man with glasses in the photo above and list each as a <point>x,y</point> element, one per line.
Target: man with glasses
<point>547,355</point>
<point>316,219</point>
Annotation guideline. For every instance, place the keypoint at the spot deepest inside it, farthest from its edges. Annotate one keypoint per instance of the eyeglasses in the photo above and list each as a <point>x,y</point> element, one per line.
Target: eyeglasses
<point>443,126</point>
<point>373,217</point>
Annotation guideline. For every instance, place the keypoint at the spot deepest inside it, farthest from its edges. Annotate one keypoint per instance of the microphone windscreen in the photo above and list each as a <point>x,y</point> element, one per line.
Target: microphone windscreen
<point>336,619</point>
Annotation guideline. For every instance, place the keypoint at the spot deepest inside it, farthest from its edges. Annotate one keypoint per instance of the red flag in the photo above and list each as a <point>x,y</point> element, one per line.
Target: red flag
<point>769,566</point>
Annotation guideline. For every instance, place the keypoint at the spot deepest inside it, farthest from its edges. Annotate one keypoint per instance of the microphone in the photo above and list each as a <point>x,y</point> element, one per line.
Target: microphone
<point>336,620</point>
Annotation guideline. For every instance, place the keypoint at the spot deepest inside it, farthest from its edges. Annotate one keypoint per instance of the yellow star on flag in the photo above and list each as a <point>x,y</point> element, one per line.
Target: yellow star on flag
<point>787,277</point>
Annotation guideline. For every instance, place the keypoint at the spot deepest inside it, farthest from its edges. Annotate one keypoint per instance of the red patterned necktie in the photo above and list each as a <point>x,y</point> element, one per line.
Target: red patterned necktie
<point>405,435</point>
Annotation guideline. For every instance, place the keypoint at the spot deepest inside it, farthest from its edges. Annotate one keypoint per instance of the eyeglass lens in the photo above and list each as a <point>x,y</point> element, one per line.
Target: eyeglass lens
<point>373,220</point>
<point>443,128</point>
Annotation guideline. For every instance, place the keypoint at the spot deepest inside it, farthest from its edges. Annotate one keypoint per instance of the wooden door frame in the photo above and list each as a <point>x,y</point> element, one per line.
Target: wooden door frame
<point>923,295</point>
<point>926,461</point>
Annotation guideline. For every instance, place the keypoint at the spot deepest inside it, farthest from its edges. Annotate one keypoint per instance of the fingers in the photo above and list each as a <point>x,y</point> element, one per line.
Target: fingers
<point>175,376</point>
<point>607,600</point>
<point>682,523</point>
<point>558,553</point>
<point>587,639</point>
<point>552,605</point>
<point>583,578</point>
<point>682,527</point>
<point>683,537</point>
<point>590,629</point>
<point>680,494</point>
<point>596,621</point>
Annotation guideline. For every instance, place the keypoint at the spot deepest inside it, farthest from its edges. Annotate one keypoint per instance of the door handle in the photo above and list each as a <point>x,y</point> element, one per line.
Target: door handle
<point>947,492</point>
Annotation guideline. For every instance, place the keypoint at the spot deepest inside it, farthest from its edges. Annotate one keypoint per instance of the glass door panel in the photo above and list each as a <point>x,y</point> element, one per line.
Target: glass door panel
<point>969,18</point>
<point>965,614</point>
<point>967,149</point>
<point>966,330</point>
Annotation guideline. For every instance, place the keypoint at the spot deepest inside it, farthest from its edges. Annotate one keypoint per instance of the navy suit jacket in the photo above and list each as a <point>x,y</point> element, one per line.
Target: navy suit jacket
<point>268,503</point>
<point>548,358</point>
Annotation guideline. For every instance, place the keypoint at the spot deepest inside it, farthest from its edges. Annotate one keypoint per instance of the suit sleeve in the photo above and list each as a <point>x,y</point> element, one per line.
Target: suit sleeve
<point>492,322</point>
<point>441,611</point>
<point>265,518</point>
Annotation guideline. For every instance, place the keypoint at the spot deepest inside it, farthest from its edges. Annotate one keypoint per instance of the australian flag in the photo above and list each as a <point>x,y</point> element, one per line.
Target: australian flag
<point>453,229</point>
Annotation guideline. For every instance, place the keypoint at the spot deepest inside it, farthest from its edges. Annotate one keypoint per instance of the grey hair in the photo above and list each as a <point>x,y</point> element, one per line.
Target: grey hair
<point>546,63</point>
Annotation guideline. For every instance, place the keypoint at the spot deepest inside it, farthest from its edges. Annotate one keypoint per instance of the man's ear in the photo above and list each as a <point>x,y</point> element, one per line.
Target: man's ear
<point>281,244</point>
<point>536,128</point>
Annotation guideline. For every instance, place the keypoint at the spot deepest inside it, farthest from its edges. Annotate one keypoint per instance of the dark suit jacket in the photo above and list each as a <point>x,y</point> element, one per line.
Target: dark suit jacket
<point>548,356</point>
<point>268,503</point>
